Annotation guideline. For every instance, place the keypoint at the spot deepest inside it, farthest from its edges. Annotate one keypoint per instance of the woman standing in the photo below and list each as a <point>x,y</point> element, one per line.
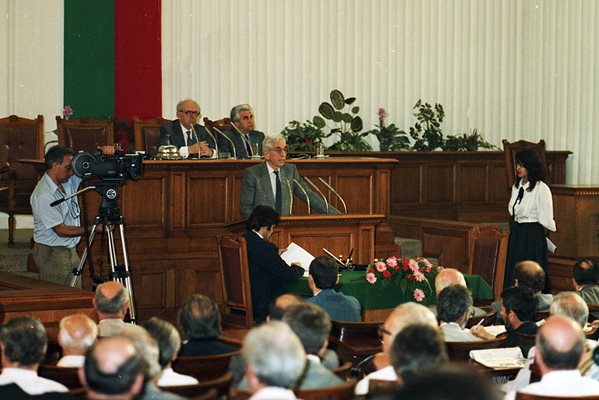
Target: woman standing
<point>531,207</point>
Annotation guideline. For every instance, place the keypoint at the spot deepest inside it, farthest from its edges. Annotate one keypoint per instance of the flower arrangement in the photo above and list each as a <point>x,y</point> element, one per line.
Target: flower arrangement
<point>67,112</point>
<point>413,276</point>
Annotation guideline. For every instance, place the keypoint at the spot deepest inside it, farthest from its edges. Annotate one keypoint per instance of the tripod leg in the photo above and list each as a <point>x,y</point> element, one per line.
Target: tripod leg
<point>121,274</point>
<point>77,272</point>
<point>128,280</point>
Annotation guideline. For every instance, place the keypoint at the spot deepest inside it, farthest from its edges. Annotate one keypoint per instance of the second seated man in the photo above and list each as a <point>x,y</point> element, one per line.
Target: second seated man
<point>274,183</point>
<point>191,139</point>
<point>246,140</point>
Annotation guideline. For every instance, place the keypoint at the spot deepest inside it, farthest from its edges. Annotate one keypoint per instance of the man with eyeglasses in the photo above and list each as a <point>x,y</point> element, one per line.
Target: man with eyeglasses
<point>191,139</point>
<point>57,230</point>
<point>247,141</point>
<point>274,183</point>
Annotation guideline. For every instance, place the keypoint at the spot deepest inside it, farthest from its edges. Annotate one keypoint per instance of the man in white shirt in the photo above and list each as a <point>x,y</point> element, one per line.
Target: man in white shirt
<point>402,316</point>
<point>453,309</point>
<point>111,303</point>
<point>76,334</point>
<point>24,344</point>
<point>560,348</point>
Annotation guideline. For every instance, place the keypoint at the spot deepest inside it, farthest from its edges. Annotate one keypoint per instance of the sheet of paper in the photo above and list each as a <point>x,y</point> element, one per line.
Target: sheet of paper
<point>550,246</point>
<point>503,358</point>
<point>496,329</point>
<point>296,253</point>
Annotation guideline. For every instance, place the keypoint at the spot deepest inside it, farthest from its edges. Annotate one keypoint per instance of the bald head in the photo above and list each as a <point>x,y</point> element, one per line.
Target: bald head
<point>111,300</point>
<point>286,300</point>
<point>448,276</point>
<point>570,305</point>
<point>530,274</point>
<point>561,344</point>
<point>76,334</point>
<point>403,315</point>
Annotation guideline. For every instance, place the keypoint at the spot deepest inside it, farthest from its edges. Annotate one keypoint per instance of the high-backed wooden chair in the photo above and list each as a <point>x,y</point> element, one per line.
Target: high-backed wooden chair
<point>68,376</point>
<point>488,251</point>
<point>354,341</point>
<point>235,280</point>
<point>20,138</point>
<point>204,368</point>
<point>147,133</point>
<point>340,392</point>
<point>525,341</point>
<point>511,149</point>
<point>220,385</point>
<point>526,396</point>
<point>222,125</point>
<point>461,350</point>
<point>85,133</point>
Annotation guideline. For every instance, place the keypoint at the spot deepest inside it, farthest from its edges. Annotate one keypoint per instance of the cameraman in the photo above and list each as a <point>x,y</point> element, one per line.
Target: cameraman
<point>57,230</point>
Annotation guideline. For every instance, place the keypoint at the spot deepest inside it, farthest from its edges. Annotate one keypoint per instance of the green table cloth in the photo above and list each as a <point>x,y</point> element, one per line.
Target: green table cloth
<point>378,296</point>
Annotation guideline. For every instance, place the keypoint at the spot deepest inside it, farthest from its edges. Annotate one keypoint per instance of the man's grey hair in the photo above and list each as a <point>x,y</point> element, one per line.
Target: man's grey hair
<point>77,332</point>
<point>112,305</point>
<point>410,313</point>
<point>448,276</point>
<point>453,302</point>
<point>180,105</point>
<point>235,111</point>
<point>275,354</point>
<point>570,305</point>
<point>146,346</point>
<point>167,337</point>
<point>24,340</point>
<point>199,318</point>
<point>270,139</point>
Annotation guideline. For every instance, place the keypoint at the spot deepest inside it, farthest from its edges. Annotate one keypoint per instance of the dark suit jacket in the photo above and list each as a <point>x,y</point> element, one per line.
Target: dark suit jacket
<point>268,271</point>
<point>339,306</point>
<point>256,190</point>
<point>240,152</point>
<point>178,138</point>
<point>208,347</point>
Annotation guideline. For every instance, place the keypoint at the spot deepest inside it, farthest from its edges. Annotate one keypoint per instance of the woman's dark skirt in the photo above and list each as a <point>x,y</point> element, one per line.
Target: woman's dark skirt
<point>527,242</point>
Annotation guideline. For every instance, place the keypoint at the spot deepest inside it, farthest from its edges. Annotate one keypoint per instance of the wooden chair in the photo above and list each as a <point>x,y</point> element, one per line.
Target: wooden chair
<point>488,251</point>
<point>222,125</point>
<point>341,392</point>
<point>487,318</point>
<point>20,138</point>
<point>540,315</point>
<point>461,350</point>
<point>343,370</point>
<point>525,342</point>
<point>68,376</point>
<point>511,149</point>
<point>526,396</point>
<point>204,368</point>
<point>220,385</point>
<point>354,341</point>
<point>85,133</point>
<point>235,281</point>
<point>147,133</point>
<point>378,386</point>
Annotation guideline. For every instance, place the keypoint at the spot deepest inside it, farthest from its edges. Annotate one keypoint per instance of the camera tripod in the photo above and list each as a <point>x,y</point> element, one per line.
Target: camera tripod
<point>109,215</point>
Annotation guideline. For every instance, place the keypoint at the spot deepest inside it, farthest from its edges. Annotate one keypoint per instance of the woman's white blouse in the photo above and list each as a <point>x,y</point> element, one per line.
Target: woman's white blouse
<point>535,206</point>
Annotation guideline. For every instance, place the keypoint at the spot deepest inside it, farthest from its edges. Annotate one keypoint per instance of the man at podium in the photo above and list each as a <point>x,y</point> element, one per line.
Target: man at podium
<point>274,183</point>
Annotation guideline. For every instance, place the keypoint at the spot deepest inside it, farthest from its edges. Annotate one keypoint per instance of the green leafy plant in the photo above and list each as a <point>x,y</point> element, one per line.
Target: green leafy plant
<point>467,142</point>
<point>303,136</point>
<point>391,138</point>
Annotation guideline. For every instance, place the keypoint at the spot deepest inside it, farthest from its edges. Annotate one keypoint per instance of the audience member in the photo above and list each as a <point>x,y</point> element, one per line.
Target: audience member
<point>169,343</point>
<point>322,278</point>
<point>112,370</point>
<point>275,359</point>
<point>246,141</point>
<point>148,349</point>
<point>453,309</point>
<point>24,344</point>
<point>312,326</point>
<point>451,276</point>
<point>268,271</point>
<point>560,348</point>
<point>76,334</point>
<point>200,321</point>
<point>417,349</point>
<point>585,278</point>
<point>277,308</point>
<point>518,308</point>
<point>111,303</point>
<point>402,316</point>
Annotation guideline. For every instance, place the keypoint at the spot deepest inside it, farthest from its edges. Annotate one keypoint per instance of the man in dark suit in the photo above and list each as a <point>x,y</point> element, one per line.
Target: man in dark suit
<point>268,271</point>
<point>322,279</point>
<point>247,142</point>
<point>191,139</point>
<point>274,183</point>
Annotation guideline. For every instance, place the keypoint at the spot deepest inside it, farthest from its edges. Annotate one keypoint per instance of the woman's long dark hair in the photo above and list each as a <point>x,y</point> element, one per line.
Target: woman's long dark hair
<point>530,160</point>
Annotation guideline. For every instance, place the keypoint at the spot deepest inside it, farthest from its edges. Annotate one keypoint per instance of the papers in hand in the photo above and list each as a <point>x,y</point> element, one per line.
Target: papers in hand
<point>297,254</point>
<point>505,358</point>
<point>551,247</point>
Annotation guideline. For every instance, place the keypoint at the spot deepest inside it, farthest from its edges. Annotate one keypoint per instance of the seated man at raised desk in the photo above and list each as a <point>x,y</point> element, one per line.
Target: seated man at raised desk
<point>275,182</point>
<point>242,141</point>
<point>322,279</point>
<point>191,139</point>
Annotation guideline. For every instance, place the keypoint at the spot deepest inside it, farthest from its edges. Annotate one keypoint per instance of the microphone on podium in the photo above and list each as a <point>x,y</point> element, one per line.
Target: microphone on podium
<point>318,191</point>
<point>305,194</point>
<point>334,192</point>
<point>211,136</point>
<point>229,139</point>
<point>290,196</point>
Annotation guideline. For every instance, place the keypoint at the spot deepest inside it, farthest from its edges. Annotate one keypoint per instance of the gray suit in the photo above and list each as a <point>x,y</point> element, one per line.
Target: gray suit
<point>241,152</point>
<point>256,190</point>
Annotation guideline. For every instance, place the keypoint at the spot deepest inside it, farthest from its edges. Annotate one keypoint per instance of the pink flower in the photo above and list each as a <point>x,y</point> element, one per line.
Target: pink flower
<point>371,278</point>
<point>380,266</point>
<point>427,263</point>
<point>386,274</point>
<point>381,112</point>
<point>67,112</point>
<point>419,276</point>
<point>413,265</point>
<point>419,295</point>
<point>392,262</point>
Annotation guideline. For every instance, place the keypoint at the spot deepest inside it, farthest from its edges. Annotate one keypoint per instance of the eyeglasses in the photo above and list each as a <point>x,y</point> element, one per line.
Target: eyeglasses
<point>190,113</point>
<point>280,150</point>
<point>382,331</point>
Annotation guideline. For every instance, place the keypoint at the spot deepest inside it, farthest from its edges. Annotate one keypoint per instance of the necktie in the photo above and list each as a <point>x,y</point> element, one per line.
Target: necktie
<point>278,195</point>
<point>248,147</point>
<point>189,140</point>
<point>518,200</point>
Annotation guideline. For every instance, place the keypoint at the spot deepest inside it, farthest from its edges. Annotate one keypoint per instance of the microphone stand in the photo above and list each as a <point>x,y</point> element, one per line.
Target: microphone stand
<point>242,138</point>
<point>57,202</point>
<point>291,197</point>
<point>319,192</point>
<point>230,141</point>
<point>211,136</point>
<point>305,194</point>
<point>335,192</point>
